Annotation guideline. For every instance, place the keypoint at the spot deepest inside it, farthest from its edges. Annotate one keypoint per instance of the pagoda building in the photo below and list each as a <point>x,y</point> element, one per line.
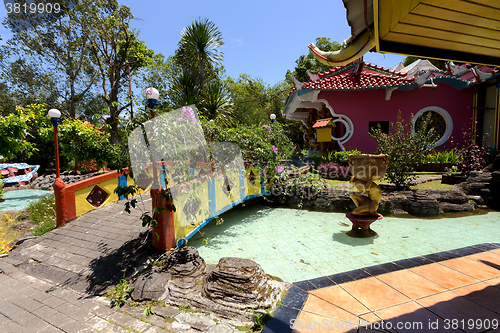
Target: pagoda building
<point>360,96</point>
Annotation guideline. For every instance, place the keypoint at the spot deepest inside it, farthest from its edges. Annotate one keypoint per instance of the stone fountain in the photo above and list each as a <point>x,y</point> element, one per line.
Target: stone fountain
<point>365,169</point>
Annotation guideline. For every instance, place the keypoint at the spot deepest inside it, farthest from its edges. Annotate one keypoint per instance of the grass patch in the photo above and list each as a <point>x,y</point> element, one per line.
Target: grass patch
<point>43,213</point>
<point>7,235</point>
<point>432,185</point>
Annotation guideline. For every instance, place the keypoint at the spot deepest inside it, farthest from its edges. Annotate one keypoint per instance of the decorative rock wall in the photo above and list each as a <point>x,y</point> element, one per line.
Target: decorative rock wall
<point>231,290</point>
<point>415,202</point>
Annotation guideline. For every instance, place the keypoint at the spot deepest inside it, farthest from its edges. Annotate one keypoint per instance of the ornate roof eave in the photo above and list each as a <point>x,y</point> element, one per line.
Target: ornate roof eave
<point>352,50</point>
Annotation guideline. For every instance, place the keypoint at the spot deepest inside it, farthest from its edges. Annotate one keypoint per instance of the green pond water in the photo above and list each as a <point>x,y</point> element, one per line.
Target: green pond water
<point>20,199</point>
<point>298,244</point>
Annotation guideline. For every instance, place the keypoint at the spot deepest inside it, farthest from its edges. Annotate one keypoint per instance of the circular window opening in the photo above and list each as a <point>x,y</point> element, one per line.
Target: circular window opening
<point>440,120</point>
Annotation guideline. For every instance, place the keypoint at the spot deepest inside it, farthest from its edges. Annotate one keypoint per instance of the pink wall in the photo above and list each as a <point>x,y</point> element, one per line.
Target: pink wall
<point>370,105</point>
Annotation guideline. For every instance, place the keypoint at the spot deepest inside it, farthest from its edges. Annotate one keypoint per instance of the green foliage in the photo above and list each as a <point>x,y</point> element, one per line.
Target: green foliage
<point>310,63</point>
<point>13,138</point>
<point>43,213</point>
<point>340,157</point>
<point>199,47</point>
<point>121,293</point>
<point>254,100</point>
<point>82,142</point>
<point>445,156</point>
<point>148,311</point>
<point>31,138</point>
<point>405,149</point>
<point>265,145</point>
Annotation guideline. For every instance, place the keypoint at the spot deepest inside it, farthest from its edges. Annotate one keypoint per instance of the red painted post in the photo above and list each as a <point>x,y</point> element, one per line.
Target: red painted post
<point>61,202</point>
<point>164,233</point>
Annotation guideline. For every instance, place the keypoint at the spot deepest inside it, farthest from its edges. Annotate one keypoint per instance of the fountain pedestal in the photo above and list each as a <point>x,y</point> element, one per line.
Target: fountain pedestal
<point>361,225</point>
<point>365,169</point>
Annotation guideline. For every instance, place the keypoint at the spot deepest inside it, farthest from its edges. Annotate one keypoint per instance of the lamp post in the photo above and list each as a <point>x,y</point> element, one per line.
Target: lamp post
<point>152,95</point>
<point>62,206</point>
<point>55,118</point>
<point>164,232</point>
<point>272,117</point>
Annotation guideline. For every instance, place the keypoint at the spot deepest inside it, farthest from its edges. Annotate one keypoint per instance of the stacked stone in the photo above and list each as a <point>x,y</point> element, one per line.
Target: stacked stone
<point>45,182</point>
<point>151,285</point>
<point>187,269</point>
<point>420,203</point>
<point>240,283</point>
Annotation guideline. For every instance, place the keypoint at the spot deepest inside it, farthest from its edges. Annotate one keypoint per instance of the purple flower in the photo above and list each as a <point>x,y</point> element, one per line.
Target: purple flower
<point>280,168</point>
<point>268,136</point>
<point>275,150</point>
<point>188,114</point>
<point>267,128</point>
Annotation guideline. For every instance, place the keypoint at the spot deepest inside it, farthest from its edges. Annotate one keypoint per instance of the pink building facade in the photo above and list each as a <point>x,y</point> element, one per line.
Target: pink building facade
<point>360,96</point>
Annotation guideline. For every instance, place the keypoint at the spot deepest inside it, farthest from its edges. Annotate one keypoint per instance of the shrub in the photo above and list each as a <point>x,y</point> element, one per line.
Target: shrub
<point>405,149</point>
<point>334,171</point>
<point>43,212</point>
<point>263,145</point>
<point>445,156</point>
<point>472,156</point>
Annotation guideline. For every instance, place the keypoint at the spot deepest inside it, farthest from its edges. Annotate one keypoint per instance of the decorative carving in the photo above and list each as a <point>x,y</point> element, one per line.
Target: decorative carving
<point>366,169</point>
<point>97,196</point>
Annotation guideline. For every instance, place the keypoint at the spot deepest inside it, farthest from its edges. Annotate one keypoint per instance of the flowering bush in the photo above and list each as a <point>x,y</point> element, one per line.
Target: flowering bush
<point>334,171</point>
<point>265,145</point>
<point>405,149</point>
<point>472,156</point>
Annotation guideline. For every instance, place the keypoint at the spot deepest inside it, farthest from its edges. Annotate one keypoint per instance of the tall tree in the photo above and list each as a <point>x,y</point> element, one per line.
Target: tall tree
<point>309,63</point>
<point>199,46</point>
<point>116,49</point>
<point>161,73</point>
<point>51,54</point>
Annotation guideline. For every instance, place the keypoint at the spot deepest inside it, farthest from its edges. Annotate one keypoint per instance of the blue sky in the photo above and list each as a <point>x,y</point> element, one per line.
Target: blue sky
<point>262,38</point>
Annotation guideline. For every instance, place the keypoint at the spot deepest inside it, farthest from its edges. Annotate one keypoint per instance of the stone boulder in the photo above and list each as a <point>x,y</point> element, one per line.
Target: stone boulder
<point>420,203</point>
<point>239,282</point>
<point>151,285</point>
<point>187,269</point>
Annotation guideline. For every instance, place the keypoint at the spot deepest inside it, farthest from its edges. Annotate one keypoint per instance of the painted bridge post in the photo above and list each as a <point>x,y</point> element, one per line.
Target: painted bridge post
<point>164,233</point>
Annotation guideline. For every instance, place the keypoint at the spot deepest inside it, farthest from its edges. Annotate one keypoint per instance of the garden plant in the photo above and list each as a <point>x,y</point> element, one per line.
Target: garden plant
<point>405,149</point>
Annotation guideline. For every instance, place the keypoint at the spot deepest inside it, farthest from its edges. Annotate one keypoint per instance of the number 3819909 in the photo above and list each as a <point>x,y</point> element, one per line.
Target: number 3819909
<point>32,8</point>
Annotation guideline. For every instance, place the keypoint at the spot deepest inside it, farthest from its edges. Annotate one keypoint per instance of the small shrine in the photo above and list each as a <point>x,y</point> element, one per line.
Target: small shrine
<point>324,129</point>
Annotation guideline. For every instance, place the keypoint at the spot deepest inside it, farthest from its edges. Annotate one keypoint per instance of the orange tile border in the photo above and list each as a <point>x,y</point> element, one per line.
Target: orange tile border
<point>307,322</point>
<point>483,294</point>
<point>443,275</point>
<point>321,307</point>
<point>408,317</point>
<point>489,256</point>
<point>373,293</point>
<point>461,288</point>
<point>411,284</point>
<point>338,296</point>
<point>473,268</point>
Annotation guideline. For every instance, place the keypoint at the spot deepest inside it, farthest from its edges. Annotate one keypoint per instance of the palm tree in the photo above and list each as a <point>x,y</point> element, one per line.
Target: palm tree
<point>200,44</point>
<point>216,104</point>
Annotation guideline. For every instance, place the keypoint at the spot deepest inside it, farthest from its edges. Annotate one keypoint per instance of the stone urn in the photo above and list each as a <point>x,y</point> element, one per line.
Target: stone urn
<point>365,169</point>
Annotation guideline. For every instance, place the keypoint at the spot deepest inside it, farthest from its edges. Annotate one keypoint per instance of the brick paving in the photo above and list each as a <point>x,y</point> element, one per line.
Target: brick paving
<point>54,283</point>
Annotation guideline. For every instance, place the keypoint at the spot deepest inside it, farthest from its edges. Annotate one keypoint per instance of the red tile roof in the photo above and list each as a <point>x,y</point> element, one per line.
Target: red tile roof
<point>350,81</point>
<point>374,67</point>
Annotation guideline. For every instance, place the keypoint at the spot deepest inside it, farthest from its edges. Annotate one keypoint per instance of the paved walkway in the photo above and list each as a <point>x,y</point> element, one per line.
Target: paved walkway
<point>52,283</point>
